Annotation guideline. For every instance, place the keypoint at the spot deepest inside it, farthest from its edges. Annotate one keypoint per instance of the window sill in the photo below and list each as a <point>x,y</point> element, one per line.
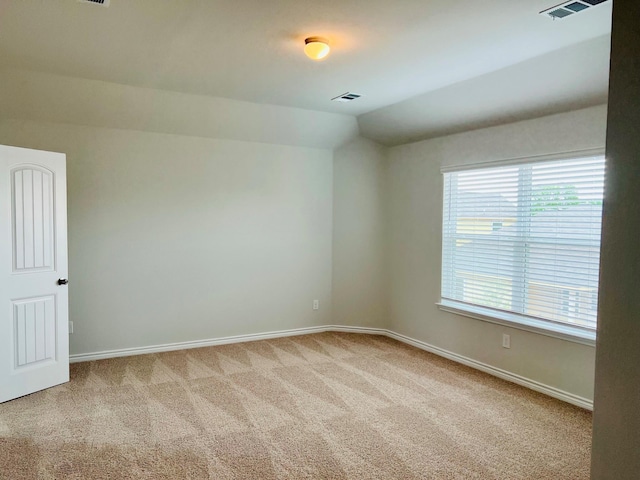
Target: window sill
<point>565,332</point>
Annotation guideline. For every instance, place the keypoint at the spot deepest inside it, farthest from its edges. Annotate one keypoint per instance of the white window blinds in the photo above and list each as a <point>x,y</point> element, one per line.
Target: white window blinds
<point>525,239</point>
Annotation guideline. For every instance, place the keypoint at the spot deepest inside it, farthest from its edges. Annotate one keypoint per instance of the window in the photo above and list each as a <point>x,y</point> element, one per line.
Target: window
<point>521,242</point>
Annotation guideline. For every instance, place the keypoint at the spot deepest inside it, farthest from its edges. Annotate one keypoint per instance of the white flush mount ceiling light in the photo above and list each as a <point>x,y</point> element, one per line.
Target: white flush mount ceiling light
<point>316,48</point>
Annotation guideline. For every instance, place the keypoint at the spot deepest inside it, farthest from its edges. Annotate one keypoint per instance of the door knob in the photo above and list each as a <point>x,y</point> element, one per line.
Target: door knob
<point>62,281</point>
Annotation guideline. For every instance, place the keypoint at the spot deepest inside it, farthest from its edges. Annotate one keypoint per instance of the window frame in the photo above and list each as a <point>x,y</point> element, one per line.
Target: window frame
<point>565,331</point>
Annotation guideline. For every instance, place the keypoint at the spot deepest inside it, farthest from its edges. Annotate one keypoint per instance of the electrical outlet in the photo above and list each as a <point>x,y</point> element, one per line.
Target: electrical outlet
<point>506,340</point>
<point>316,304</point>
<point>70,328</point>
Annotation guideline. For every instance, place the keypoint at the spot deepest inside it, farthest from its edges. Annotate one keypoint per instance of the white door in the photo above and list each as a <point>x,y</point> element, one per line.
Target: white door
<point>34,313</point>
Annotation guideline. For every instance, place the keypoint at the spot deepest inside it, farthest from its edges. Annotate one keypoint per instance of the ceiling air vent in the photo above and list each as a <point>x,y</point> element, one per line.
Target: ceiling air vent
<point>104,3</point>
<point>569,8</point>
<point>346,97</point>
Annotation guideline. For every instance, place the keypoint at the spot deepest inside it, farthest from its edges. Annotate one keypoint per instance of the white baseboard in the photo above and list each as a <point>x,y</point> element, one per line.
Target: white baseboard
<point>168,347</point>
<point>496,372</point>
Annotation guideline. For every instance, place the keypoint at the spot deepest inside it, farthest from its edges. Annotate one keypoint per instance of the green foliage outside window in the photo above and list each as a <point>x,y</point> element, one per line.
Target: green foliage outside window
<point>557,197</point>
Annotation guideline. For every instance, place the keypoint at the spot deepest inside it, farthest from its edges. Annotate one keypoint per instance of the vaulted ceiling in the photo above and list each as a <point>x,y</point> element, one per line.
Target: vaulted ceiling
<point>388,51</point>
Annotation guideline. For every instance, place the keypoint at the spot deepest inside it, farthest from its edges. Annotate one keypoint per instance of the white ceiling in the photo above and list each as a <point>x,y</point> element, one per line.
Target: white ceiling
<point>570,78</point>
<point>251,50</point>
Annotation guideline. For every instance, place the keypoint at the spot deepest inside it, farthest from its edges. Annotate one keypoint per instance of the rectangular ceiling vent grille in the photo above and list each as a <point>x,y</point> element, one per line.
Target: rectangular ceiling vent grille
<point>569,8</point>
<point>104,3</point>
<point>346,97</point>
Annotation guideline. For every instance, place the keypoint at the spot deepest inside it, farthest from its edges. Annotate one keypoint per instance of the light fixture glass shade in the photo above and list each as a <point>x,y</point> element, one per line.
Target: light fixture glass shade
<point>316,48</point>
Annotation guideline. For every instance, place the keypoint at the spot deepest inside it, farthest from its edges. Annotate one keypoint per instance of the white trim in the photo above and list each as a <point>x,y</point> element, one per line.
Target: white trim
<point>496,372</point>
<point>348,329</point>
<point>591,152</point>
<point>168,347</point>
<point>569,333</point>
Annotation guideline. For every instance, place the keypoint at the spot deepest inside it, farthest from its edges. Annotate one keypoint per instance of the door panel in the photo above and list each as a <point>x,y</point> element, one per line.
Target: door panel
<point>34,342</point>
<point>34,330</point>
<point>33,219</point>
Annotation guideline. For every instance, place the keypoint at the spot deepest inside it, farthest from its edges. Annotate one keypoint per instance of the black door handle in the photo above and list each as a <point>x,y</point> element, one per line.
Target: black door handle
<point>62,281</point>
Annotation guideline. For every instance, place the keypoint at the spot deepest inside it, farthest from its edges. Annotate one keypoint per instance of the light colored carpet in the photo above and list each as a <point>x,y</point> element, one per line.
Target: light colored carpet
<point>323,406</point>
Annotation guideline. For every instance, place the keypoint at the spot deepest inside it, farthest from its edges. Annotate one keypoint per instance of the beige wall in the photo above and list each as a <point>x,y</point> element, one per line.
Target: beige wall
<point>415,230</point>
<point>359,234</point>
<point>178,237</point>
<point>175,238</point>
<point>616,421</point>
